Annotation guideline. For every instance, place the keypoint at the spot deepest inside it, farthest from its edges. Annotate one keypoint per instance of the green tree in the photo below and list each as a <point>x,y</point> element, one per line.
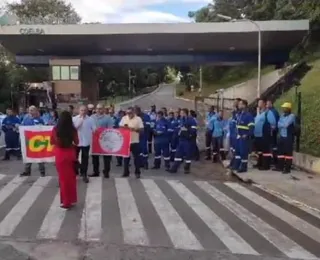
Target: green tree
<point>44,12</point>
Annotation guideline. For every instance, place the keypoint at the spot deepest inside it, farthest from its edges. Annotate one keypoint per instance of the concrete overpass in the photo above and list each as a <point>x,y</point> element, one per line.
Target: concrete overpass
<point>72,51</point>
<point>183,43</point>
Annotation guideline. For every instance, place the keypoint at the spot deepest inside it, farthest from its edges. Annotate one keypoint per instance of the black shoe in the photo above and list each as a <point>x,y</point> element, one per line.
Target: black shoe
<point>155,168</point>
<point>25,174</point>
<point>85,179</point>
<point>94,175</point>
<point>172,171</point>
<point>208,158</point>
<point>138,176</point>
<point>6,159</point>
<point>119,164</point>
<point>42,174</point>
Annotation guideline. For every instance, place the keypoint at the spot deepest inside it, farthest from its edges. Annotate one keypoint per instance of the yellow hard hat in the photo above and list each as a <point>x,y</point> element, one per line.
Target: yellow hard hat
<point>287,105</point>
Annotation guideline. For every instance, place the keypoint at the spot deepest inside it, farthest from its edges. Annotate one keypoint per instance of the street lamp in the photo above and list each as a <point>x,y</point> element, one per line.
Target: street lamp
<point>228,18</point>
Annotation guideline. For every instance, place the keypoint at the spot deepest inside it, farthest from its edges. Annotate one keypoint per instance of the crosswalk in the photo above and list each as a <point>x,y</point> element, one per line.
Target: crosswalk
<point>182,214</point>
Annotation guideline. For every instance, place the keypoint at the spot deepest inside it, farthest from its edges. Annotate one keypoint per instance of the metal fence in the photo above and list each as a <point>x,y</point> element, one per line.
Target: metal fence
<point>202,104</point>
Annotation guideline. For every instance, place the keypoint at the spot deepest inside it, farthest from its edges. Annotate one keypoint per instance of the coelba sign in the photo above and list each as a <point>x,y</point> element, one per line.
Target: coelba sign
<point>30,31</point>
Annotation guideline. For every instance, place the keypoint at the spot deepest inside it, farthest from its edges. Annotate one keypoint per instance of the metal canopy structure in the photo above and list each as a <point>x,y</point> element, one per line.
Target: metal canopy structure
<point>154,43</point>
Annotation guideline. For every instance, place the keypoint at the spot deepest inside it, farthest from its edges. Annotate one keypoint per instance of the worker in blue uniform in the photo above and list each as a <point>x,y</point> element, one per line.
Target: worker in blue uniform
<point>264,124</point>
<point>274,138</point>
<point>216,128</point>
<point>286,126</point>
<point>175,136</point>
<point>187,131</point>
<point>143,141</point>
<point>233,125</point>
<point>208,134</point>
<point>117,119</point>
<point>195,148</point>
<point>170,128</point>
<point>153,117</point>
<point>245,126</point>
<point>161,142</point>
<point>10,127</point>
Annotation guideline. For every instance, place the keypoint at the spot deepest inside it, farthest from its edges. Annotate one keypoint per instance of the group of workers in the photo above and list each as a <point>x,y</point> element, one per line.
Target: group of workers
<point>173,135</point>
<point>268,134</point>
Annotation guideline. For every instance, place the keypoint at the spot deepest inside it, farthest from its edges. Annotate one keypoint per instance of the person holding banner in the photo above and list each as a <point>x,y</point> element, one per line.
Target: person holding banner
<point>106,121</point>
<point>85,126</point>
<point>33,118</point>
<point>65,138</point>
<point>135,124</point>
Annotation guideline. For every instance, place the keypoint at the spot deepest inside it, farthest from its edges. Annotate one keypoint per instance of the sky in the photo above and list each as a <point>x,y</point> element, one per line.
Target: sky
<point>134,11</point>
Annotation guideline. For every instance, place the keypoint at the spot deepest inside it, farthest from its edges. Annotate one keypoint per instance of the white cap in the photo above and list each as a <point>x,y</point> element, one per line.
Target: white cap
<point>91,106</point>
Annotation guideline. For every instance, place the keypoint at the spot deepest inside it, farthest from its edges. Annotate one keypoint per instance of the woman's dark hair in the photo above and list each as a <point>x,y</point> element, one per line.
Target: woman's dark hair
<point>65,130</point>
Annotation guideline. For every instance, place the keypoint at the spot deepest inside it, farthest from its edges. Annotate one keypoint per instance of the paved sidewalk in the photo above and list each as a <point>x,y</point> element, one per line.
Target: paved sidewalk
<point>299,188</point>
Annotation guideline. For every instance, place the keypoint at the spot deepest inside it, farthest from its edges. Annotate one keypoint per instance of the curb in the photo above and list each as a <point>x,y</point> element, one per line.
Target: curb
<point>312,210</point>
<point>309,209</point>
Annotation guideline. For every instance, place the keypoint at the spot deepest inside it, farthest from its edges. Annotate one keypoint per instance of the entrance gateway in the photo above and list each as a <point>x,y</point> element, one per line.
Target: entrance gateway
<point>72,51</point>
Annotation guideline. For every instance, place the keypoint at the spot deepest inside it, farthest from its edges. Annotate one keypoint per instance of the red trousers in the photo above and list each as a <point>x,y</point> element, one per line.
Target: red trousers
<point>65,159</point>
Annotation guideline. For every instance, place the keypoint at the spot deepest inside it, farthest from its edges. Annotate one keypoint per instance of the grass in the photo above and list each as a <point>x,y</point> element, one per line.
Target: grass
<point>226,82</point>
<point>310,118</point>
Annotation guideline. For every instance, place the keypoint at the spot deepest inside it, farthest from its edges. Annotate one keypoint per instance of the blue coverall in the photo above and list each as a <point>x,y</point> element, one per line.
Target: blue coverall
<point>175,137</point>
<point>233,130</point>
<point>216,127</point>
<point>170,120</point>
<point>11,136</point>
<point>143,142</point>
<point>153,118</point>
<point>286,126</point>
<point>275,136</point>
<point>187,131</point>
<point>208,137</point>
<point>263,125</point>
<point>245,128</point>
<point>161,143</point>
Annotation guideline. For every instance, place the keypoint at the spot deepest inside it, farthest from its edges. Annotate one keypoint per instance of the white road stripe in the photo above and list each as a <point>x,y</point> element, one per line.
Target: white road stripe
<point>133,230</point>
<point>231,239</point>
<point>7,190</point>
<point>279,240</point>
<point>52,223</point>
<point>279,212</point>
<point>180,234</point>
<point>11,221</point>
<point>2,176</point>
<point>90,229</point>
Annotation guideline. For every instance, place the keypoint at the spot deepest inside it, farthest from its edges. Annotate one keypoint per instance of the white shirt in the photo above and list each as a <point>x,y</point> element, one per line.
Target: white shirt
<point>135,122</point>
<point>85,130</point>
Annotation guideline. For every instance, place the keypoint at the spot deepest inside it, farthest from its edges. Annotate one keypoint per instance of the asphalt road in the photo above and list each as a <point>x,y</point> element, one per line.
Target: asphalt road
<point>202,216</point>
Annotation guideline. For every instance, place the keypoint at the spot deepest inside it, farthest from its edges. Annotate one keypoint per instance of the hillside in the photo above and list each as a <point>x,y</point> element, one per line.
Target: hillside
<point>310,126</point>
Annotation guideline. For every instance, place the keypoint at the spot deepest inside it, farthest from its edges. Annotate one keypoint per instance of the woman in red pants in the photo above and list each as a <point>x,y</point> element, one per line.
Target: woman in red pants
<point>65,138</point>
